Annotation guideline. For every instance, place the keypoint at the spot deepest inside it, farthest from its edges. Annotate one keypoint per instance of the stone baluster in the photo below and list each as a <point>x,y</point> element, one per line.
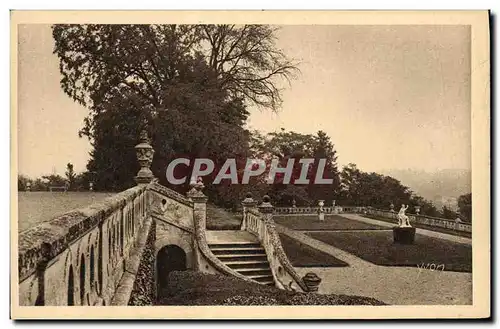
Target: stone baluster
<point>247,203</point>
<point>144,153</point>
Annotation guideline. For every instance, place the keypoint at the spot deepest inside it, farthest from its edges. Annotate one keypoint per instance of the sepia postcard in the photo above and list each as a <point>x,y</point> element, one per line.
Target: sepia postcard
<point>250,165</point>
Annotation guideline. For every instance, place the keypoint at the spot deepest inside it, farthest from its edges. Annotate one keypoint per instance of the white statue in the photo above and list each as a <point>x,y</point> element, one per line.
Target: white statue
<point>403,220</point>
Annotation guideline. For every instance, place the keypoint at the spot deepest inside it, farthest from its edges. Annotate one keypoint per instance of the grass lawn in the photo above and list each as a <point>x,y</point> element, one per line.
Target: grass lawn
<point>301,255</point>
<point>377,247</point>
<point>38,207</point>
<point>220,219</point>
<point>331,223</point>
<point>195,288</point>
<point>423,226</point>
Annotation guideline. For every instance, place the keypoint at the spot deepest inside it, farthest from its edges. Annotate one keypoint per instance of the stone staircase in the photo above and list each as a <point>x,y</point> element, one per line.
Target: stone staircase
<point>243,253</point>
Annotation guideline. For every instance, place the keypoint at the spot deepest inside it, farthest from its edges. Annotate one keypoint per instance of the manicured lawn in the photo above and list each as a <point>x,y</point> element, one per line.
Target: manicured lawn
<point>331,223</point>
<point>220,219</point>
<point>38,207</point>
<point>195,288</point>
<point>423,226</point>
<point>301,255</point>
<point>377,247</point>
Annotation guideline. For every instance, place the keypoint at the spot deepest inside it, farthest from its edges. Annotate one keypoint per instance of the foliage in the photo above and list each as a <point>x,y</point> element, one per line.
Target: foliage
<point>70,176</point>
<point>448,213</point>
<point>288,145</point>
<point>465,206</point>
<point>371,189</point>
<point>191,83</point>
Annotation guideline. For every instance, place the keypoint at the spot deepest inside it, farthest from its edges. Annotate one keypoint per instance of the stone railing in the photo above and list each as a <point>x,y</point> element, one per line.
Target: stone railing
<point>421,219</point>
<point>89,256</point>
<point>206,261</point>
<point>80,257</point>
<point>260,223</point>
<point>315,210</point>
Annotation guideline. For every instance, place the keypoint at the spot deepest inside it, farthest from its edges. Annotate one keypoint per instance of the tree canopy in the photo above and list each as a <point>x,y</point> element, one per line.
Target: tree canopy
<point>191,87</point>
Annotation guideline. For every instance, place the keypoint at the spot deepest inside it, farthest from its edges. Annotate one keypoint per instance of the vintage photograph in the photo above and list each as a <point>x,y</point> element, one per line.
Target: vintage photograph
<point>232,161</point>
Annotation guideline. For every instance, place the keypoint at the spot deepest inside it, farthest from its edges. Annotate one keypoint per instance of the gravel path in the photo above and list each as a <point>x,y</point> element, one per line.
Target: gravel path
<point>390,284</point>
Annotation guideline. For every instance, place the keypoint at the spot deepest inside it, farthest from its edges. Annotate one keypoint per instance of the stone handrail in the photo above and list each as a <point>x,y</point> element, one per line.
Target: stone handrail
<point>265,230</point>
<point>201,240</point>
<point>422,219</point>
<point>156,187</point>
<point>91,240</point>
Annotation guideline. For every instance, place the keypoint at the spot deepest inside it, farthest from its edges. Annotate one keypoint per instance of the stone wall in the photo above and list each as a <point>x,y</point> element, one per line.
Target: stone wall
<point>79,257</point>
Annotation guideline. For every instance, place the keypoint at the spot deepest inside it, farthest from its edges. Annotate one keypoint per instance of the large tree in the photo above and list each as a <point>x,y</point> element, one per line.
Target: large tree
<point>191,83</point>
<point>289,145</point>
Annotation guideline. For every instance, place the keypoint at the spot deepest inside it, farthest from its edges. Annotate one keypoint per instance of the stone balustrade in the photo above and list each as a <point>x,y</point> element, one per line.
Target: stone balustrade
<point>422,219</point>
<point>79,258</point>
<point>314,210</point>
<point>414,218</point>
<point>259,221</point>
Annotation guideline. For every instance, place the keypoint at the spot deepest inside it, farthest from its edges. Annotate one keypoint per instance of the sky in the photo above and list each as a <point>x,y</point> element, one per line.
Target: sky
<point>390,97</point>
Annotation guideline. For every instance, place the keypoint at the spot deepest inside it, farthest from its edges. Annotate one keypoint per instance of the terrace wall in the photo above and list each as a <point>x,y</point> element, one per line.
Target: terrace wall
<point>79,258</point>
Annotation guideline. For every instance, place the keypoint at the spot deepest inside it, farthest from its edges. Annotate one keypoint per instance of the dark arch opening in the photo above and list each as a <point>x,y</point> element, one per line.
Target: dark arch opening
<point>71,287</point>
<point>92,267</point>
<point>82,279</point>
<point>170,258</point>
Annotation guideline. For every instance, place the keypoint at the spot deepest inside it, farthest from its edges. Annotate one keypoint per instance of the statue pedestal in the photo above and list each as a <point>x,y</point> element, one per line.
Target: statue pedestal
<point>404,235</point>
<point>321,216</point>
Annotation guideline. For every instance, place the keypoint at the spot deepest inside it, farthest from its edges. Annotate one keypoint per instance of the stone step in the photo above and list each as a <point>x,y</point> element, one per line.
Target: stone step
<point>261,277</point>
<point>234,245</point>
<point>250,264</point>
<point>255,271</point>
<point>244,257</point>
<point>237,250</point>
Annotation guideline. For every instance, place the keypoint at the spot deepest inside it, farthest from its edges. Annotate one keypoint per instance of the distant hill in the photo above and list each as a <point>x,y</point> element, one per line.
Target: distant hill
<point>442,187</point>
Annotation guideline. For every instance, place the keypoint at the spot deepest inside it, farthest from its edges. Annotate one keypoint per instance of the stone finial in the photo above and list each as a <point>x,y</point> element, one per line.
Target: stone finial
<point>391,207</point>
<point>312,281</point>
<point>144,152</point>
<point>417,210</point>
<point>294,203</point>
<point>195,193</point>
<point>266,207</point>
<point>249,201</point>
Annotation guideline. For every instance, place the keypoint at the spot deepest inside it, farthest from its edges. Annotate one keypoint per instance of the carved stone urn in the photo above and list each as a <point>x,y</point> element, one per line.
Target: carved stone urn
<point>312,281</point>
<point>417,210</point>
<point>144,152</point>
<point>392,207</point>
